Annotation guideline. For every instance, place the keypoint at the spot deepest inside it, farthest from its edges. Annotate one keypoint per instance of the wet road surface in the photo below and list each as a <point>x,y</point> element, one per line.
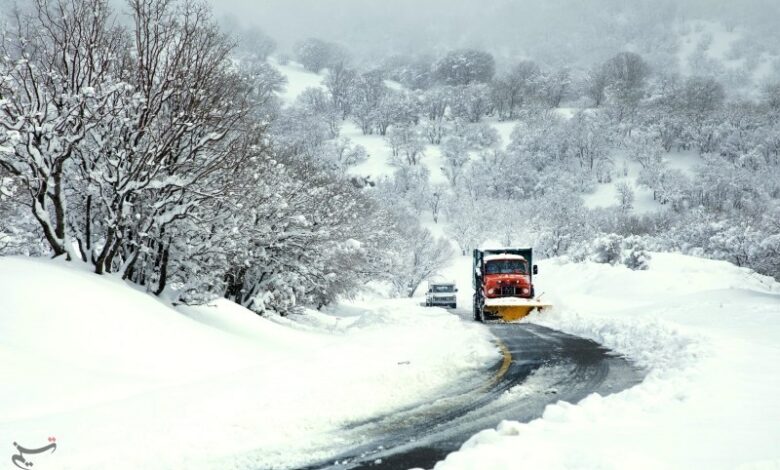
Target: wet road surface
<point>539,366</point>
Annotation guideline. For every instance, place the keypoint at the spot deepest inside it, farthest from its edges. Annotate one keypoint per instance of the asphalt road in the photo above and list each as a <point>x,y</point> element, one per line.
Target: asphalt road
<point>540,366</point>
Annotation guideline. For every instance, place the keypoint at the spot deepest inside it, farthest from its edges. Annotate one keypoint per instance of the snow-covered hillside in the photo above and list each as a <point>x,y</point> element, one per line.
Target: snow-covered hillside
<point>707,47</point>
<point>377,165</point>
<point>124,381</point>
<point>706,331</point>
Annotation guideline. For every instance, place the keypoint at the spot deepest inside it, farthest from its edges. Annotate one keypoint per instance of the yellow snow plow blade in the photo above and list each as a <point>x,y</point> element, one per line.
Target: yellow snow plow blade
<point>512,309</point>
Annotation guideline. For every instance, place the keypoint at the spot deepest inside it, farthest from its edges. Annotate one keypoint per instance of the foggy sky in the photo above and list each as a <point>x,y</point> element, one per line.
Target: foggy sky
<point>557,30</point>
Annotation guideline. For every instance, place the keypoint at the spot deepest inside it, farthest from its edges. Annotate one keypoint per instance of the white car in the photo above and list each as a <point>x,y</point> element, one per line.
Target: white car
<point>441,294</point>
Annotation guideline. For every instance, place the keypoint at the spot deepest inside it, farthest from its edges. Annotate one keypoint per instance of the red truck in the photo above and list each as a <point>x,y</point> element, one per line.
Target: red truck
<point>503,284</point>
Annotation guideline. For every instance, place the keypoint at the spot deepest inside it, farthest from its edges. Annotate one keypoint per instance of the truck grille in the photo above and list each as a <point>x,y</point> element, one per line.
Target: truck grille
<point>509,291</point>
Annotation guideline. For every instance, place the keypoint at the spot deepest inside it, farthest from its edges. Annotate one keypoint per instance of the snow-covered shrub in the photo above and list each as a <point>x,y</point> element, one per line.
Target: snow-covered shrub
<point>634,253</point>
<point>612,249</point>
<point>342,153</point>
<point>607,249</point>
<point>479,135</point>
<point>435,130</point>
<point>579,253</point>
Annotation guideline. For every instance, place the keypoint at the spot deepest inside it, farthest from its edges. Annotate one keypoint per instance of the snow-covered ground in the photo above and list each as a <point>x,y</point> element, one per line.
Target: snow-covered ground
<point>298,80</point>
<point>706,331</point>
<point>627,171</point>
<point>123,380</point>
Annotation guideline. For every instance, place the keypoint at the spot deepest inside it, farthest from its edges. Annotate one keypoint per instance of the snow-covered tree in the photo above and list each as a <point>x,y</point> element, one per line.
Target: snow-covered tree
<point>626,75</point>
<point>251,41</point>
<point>316,102</point>
<point>455,155</point>
<point>365,95</point>
<point>595,85</point>
<point>516,89</point>
<point>555,86</point>
<point>771,96</point>
<point>417,258</point>
<point>407,144</point>
<point>340,82</point>
<point>625,196</point>
<point>395,108</point>
<point>434,102</point>
<point>471,102</point>
<point>60,70</point>
<point>463,67</point>
<point>466,220</point>
<point>343,153</point>
<point>477,136</point>
<point>587,140</point>
<point>315,54</point>
<point>563,224</point>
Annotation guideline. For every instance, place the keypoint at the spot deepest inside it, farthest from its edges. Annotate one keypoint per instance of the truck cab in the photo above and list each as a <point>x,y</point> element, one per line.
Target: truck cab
<point>441,294</point>
<point>507,275</point>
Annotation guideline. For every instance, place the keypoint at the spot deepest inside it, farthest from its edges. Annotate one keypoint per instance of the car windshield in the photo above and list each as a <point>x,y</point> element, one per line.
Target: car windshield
<point>442,288</point>
<point>506,266</point>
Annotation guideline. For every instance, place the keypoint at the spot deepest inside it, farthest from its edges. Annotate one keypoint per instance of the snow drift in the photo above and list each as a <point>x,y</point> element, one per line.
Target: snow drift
<point>123,380</point>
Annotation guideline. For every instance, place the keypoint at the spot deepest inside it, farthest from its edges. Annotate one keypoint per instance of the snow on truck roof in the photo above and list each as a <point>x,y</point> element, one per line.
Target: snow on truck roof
<point>503,256</point>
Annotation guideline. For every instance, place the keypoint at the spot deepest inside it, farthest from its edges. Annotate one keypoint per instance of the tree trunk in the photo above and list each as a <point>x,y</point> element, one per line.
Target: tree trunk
<point>163,269</point>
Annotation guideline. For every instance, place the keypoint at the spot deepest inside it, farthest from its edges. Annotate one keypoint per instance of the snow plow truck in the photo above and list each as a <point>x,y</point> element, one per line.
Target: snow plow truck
<point>503,284</point>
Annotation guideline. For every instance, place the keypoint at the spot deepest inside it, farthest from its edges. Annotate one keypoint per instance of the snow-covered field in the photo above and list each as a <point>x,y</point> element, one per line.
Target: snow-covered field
<point>124,381</point>
<point>706,331</point>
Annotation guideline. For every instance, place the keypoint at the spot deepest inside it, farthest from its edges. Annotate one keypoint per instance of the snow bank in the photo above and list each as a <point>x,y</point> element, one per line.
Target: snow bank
<point>125,381</point>
<point>706,331</point>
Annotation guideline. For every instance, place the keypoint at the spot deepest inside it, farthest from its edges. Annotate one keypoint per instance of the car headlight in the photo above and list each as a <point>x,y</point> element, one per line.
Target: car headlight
<point>491,291</point>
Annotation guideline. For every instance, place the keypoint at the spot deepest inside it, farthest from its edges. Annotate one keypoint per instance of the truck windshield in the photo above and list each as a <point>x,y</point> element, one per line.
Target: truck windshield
<point>506,266</point>
<point>442,288</point>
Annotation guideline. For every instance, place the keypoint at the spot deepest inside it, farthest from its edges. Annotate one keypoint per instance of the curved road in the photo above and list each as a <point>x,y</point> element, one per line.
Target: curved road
<point>540,366</point>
